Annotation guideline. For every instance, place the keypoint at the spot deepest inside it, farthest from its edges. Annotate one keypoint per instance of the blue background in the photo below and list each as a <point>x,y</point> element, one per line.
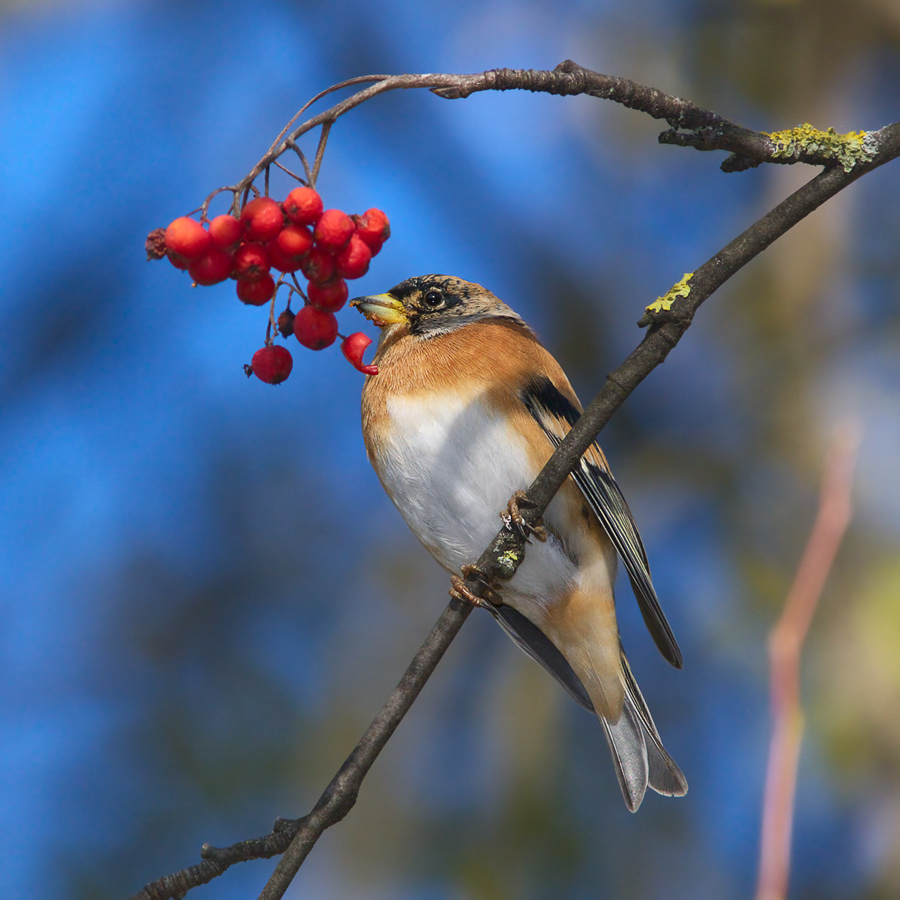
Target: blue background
<point>206,596</point>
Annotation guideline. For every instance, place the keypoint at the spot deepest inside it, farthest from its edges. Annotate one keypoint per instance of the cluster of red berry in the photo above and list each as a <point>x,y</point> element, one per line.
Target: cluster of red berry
<point>326,245</point>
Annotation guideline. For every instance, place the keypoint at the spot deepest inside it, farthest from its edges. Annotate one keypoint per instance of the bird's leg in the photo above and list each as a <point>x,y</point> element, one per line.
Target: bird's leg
<point>459,590</point>
<point>513,518</point>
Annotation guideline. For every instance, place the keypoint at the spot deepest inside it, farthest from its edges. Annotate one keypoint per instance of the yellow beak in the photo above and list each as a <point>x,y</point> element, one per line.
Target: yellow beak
<point>382,309</point>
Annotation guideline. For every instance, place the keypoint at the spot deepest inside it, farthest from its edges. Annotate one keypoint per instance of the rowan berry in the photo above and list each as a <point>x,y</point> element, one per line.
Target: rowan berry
<point>256,293</point>
<point>317,265</point>
<point>187,237</point>
<point>211,268</point>
<point>272,364</point>
<point>353,346</point>
<point>333,229</point>
<point>262,219</point>
<point>303,205</point>
<point>281,262</point>
<point>178,261</point>
<point>294,241</point>
<point>250,262</point>
<point>373,227</point>
<point>315,328</point>
<point>225,232</point>
<point>329,295</point>
<point>352,260</point>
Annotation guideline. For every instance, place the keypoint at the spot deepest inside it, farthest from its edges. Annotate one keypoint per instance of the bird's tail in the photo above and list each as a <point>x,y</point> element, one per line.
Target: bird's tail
<point>637,751</point>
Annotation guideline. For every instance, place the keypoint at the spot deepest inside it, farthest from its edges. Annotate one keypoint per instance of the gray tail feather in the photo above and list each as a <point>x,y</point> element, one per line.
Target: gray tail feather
<point>637,751</point>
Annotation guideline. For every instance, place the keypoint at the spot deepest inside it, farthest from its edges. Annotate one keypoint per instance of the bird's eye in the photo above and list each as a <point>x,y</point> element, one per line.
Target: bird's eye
<point>433,299</point>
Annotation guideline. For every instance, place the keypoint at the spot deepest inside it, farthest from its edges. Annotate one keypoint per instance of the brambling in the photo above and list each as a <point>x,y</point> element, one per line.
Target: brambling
<point>466,408</point>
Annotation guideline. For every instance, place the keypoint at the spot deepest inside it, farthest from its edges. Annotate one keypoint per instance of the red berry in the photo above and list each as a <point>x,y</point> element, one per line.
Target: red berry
<point>352,261</point>
<point>211,268</point>
<point>281,262</point>
<point>329,295</point>
<point>262,219</point>
<point>256,293</point>
<point>333,229</point>
<point>250,262</point>
<point>187,237</point>
<point>353,347</point>
<point>178,261</point>
<point>225,232</point>
<point>375,247</point>
<point>315,328</point>
<point>303,205</point>
<point>317,265</point>
<point>373,227</point>
<point>294,241</point>
<point>272,364</point>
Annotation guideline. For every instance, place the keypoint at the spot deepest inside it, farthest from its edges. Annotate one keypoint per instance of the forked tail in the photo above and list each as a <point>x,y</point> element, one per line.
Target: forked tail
<point>638,754</point>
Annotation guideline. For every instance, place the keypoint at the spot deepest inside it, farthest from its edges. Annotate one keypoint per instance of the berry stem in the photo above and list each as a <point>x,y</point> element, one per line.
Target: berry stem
<point>286,169</point>
<point>320,152</point>
<point>292,144</point>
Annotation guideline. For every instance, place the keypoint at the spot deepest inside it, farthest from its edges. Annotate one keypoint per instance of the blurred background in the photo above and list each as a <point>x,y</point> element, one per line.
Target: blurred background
<point>206,596</point>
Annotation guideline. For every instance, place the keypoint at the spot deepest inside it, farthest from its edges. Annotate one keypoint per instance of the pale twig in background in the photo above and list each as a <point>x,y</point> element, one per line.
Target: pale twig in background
<point>785,649</point>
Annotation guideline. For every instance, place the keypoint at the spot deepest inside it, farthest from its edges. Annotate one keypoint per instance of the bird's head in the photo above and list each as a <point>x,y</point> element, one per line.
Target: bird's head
<point>429,305</point>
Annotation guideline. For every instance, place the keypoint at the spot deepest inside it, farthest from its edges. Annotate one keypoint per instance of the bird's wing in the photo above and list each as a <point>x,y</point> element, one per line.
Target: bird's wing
<point>555,413</point>
<point>539,647</point>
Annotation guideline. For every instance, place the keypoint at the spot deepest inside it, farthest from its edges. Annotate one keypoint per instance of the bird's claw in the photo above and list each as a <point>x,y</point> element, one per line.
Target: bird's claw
<point>513,518</point>
<point>459,590</point>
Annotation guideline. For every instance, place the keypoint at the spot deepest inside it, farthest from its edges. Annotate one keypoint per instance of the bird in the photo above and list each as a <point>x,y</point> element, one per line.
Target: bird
<point>466,407</point>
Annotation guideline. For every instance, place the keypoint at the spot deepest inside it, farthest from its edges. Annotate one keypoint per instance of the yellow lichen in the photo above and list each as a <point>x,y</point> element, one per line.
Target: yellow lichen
<point>510,558</point>
<point>848,149</point>
<point>679,289</point>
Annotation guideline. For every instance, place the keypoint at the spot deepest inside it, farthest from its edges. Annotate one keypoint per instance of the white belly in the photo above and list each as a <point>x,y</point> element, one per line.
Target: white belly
<point>451,474</point>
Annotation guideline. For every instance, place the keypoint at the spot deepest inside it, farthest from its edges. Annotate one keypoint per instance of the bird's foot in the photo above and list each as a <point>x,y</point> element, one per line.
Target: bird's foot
<point>460,591</point>
<point>513,518</point>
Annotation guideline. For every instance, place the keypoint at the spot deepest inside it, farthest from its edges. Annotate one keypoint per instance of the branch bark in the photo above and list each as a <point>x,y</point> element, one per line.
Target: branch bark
<point>691,126</point>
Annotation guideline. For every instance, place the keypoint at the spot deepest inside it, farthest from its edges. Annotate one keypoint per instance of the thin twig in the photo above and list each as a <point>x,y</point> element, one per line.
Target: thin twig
<point>296,148</point>
<point>320,153</point>
<point>785,650</point>
<point>284,168</point>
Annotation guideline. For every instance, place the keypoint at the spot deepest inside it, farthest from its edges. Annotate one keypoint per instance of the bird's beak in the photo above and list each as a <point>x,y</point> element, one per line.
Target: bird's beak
<point>382,309</point>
